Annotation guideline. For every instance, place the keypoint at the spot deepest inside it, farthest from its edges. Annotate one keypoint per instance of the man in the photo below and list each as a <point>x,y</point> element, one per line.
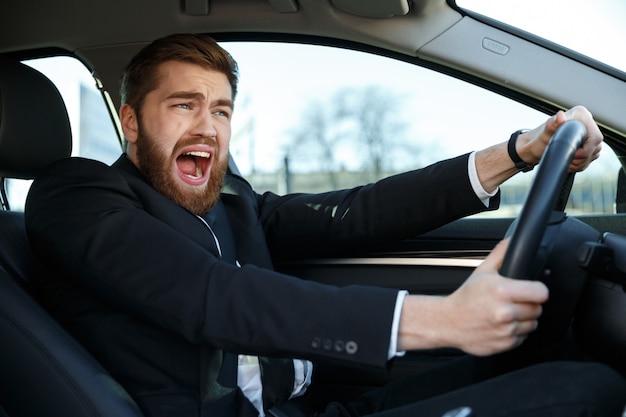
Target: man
<point>162,264</point>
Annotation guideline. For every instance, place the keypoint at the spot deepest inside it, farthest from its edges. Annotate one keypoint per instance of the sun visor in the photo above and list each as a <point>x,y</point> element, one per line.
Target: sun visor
<point>377,9</point>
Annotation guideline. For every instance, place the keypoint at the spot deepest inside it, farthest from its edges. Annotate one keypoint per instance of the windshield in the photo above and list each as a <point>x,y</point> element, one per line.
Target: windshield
<point>593,28</point>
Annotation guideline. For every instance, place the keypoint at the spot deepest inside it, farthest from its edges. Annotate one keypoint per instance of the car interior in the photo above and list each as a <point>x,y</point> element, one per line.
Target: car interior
<point>44,371</point>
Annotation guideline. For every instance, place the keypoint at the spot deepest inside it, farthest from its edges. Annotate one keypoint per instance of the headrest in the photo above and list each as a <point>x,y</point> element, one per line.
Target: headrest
<point>34,125</point>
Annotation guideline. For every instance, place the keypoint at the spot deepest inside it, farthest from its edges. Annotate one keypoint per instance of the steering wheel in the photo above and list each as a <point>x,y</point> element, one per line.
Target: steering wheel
<point>543,246</point>
<point>528,231</point>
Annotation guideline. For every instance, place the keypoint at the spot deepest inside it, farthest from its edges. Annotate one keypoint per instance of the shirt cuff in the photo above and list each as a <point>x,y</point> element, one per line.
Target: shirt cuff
<point>395,326</point>
<point>480,192</point>
<point>302,377</point>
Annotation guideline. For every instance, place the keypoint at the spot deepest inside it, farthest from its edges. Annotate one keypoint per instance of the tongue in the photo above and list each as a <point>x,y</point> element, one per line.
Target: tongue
<point>187,165</point>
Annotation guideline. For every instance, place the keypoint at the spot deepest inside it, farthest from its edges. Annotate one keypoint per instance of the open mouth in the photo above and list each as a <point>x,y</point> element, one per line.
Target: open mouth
<point>194,166</point>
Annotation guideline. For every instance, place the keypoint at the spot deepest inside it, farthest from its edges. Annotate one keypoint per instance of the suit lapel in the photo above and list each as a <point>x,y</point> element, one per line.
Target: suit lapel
<point>241,208</point>
<point>164,209</point>
<point>219,223</point>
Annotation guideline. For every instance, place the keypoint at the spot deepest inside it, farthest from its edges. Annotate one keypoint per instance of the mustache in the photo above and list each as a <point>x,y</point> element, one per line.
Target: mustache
<point>196,140</point>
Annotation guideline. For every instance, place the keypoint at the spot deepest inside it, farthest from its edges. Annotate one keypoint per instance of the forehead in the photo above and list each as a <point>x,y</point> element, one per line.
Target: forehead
<point>173,76</point>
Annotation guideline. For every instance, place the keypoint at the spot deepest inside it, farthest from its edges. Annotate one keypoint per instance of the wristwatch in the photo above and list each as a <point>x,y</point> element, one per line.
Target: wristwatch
<point>519,162</point>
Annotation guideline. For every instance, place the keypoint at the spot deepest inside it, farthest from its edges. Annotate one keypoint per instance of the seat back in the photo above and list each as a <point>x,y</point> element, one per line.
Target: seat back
<point>34,129</point>
<point>43,370</point>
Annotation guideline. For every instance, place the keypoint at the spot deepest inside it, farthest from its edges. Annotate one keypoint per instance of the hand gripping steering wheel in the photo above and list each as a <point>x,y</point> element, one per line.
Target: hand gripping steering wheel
<point>533,220</point>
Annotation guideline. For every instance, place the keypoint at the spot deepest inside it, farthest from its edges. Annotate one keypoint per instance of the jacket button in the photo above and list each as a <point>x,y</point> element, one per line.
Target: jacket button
<point>328,344</point>
<point>351,347</point>
<point>339,346</point>
<point>316,343</point>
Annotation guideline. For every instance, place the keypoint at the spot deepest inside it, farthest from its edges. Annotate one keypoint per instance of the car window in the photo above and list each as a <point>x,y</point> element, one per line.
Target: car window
<point>93,130</point>
<point>313,118</point>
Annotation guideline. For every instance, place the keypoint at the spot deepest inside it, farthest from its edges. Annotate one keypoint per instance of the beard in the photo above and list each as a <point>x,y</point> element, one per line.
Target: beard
<point>155,165</point>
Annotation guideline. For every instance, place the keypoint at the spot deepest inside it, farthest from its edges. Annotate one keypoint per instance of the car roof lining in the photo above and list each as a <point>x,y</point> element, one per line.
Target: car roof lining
<point>313,17</point>
<point>528,68</point>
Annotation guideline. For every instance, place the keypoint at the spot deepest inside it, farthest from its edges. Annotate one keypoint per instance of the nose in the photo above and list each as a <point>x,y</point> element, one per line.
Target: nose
<point>204,124</point>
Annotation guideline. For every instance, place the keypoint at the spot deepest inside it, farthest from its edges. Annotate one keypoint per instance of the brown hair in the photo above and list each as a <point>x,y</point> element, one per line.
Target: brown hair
<point>140,75</point>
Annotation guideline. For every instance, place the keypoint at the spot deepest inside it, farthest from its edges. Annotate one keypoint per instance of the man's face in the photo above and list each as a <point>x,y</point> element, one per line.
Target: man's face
<point>181,138</point>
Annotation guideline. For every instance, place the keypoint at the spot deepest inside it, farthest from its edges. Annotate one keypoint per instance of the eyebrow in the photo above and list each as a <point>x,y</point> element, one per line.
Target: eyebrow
<point>191,95</point>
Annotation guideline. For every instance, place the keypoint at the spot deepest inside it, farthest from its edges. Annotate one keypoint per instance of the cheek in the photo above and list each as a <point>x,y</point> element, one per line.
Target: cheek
<point>147,141</point>
<point>223,141</point>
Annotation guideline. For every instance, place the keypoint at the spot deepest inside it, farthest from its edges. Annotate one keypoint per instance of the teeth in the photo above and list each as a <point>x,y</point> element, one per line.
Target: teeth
<point>198,172</point>
<point>200,154</point>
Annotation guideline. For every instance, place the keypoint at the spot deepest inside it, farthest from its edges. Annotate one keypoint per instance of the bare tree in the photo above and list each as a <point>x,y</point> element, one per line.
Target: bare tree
<point>316,138</point>
<point>363,122</point>
<point>375,126</point>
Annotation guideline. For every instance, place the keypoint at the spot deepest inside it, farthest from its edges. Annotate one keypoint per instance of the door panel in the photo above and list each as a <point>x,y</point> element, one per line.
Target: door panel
<point>435,263</point>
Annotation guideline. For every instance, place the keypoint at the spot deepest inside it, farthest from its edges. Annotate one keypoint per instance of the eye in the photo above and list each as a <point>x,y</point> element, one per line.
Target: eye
<point>184,106</point>
<point>222,113</point>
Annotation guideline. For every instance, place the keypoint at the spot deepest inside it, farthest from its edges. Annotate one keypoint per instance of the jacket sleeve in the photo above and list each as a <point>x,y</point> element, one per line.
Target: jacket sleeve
<point>398,207</point>
<point>90,227</point>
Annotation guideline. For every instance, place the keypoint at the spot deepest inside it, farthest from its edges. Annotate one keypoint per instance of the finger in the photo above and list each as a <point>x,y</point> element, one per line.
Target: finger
<point>519,340</point>
<point>524,291</point>
<point>588,151</point>
<point>582,114</point>
<point>519,334</point>
<point>524,328</point>
<point>494,260</point>
<point>555,121</point>
<point>511,315</point>
<point>583,158</point>
<point>527,311</point>
<point>560,117</point>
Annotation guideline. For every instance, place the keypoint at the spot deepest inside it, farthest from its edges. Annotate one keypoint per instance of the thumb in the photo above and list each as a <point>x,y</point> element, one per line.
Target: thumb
<point>555,121</point>
<point>493,261</point>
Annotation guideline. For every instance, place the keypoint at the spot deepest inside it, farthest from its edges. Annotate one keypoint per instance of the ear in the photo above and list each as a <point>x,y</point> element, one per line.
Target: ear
<point>130,125</point>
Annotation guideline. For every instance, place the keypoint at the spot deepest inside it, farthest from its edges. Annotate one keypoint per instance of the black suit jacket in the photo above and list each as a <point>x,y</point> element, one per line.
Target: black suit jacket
<point>138,280</point>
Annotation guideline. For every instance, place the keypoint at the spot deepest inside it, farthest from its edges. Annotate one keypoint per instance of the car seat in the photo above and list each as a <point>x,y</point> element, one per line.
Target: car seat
<point>43,370</point>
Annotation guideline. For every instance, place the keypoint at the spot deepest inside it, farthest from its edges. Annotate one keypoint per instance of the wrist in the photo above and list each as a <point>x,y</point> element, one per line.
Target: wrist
<point>420,323</point>
<point>515,149</point>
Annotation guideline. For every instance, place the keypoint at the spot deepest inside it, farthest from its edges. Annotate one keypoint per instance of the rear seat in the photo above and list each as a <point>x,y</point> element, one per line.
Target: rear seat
<point>44,371</point>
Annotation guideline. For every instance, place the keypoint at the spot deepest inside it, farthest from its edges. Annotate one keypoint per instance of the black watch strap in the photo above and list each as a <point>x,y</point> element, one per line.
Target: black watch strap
<point>519,162</point>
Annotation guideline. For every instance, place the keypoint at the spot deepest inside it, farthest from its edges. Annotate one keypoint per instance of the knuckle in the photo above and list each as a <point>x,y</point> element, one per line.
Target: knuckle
<point>503,315</point>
